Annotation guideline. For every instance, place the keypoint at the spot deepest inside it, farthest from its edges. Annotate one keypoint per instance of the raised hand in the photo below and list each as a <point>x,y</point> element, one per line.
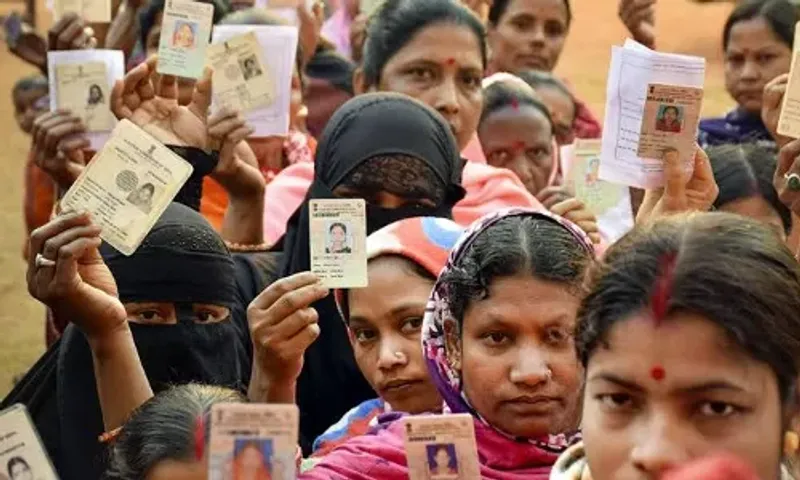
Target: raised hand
<point>67,273</point>
<point>771,106</point>
<point>226,131</point>
<point>575,211</point>
<point>70,33</point>
<point>58,146</point>
<point>639,17</point>
<point>283,325</point>
<point>787,176</point>
<point>153,105</point>
<point>695,192</point>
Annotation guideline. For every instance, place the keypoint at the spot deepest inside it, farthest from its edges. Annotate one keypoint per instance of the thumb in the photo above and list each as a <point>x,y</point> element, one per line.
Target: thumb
<point>674,180</point>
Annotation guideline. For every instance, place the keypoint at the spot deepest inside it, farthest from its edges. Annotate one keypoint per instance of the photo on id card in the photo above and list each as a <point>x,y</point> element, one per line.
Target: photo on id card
<point>441,447</point>
<point>22,455</point>
<point>242,80</point>
<point>669,122</point>
<point>583,178</point>
<point>338,237</point>
<point>83,89</point>
<point>253,441</point>
<point>185,33</point>
<point>127,186</point>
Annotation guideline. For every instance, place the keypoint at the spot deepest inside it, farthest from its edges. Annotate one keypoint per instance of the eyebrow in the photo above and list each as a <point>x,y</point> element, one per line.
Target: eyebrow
<point>355,322</point>
<point>406,307</point>
<point>704,387</point>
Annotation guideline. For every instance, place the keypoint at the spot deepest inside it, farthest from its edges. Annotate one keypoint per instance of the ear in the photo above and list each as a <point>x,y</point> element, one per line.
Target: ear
<point>359,81</point>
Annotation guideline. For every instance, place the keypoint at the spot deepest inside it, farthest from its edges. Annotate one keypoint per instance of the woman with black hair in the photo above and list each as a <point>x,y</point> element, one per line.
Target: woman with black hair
<point>530,35</point>
<point>689,339</point>
<point>757,43</point>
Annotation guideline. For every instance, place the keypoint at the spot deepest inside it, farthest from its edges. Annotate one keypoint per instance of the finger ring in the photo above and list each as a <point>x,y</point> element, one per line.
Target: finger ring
<point>792,182</point>
<point>42,262</point>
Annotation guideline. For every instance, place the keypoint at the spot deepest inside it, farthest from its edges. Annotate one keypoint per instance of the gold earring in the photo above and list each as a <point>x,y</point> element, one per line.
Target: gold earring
<point>791,443</point>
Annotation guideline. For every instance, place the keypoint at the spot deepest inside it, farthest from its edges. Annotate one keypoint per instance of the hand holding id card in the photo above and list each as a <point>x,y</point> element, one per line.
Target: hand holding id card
<point>253,441</point>
<point>83,89</point>
<point>670,120</point>
<point>242,79</point>
<point>789,121</point>
<point>441,447</point>
<point>185,33</point>
<point>128,185</point>
<point>338,237</point>
<point>21,450</point>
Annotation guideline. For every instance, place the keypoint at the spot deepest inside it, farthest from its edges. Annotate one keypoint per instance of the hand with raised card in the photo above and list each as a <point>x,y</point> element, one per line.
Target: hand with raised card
<point>58,146</point>
<point>771,106</point>
<point>70,33</point>
<point>67,273</point>
<point>561,202</point>
<point>283,324</point>
<point>150,101</point>
<point>639,17</point>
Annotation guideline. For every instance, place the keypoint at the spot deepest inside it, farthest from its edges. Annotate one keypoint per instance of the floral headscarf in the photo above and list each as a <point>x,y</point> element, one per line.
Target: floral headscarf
<point>440,323</point>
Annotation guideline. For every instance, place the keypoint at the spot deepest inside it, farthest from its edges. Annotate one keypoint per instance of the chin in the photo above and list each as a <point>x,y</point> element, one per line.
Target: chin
<point>751,106</point>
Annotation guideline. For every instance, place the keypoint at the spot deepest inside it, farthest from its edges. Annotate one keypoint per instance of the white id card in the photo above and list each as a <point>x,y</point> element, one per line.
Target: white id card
<point>22,454</point>
<point>338,237</point>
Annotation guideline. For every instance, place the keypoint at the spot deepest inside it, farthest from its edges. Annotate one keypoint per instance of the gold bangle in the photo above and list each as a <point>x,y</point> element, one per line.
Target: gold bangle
<point>109,437</point>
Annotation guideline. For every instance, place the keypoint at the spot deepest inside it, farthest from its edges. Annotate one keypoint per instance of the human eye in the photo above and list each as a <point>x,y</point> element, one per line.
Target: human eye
<point>498,157</point>
<point>717,409</point>
<point>422,74</point>
<point>765,58</point>
<point>364,335</point>
<point>148,315</point>
<point>554,29</point>
<point>411,325</point>
<point>472,80</point>
<point>496,338</point>
<point>735,59</point>
<point>615,402</point>
<point>556,336</point>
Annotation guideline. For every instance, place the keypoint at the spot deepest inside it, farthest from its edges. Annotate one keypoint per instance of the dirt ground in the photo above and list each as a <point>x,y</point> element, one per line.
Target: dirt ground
<point>683,27</point>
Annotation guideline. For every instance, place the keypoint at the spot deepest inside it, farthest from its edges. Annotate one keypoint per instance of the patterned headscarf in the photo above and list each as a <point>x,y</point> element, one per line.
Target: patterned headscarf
<point>439,323</point>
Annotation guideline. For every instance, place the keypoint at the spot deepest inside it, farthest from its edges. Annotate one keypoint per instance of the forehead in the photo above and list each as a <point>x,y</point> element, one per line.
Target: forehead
<point>753,34</point>
<point>544,9</point>
<point>526,121</point>
<point>525,301</point>
<point>443,43</point>
<point>686,345</point>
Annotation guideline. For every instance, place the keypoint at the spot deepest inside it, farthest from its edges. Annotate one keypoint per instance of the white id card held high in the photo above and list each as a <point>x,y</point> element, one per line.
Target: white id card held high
<point>185,33</point>
<point>253,441</point>
<point>128,185</point>
<point>441,447</point>
<point>22,455</point>
<point>338,237</point>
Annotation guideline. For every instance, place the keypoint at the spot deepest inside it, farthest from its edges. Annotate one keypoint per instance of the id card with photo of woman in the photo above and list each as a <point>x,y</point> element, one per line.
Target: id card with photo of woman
<point>789,120</point>
<point>242,80</point>
<point>669,122</point>
<point>128,185</point>
<point>22,455</point>
<point>83,89</point>
<point>253,441</point>
<point>338,237</point>
<point>185,33</point>
<point>441,447</point>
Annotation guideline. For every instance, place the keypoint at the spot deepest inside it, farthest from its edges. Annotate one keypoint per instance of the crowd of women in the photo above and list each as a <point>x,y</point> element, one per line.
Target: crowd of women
<point>673,352</point>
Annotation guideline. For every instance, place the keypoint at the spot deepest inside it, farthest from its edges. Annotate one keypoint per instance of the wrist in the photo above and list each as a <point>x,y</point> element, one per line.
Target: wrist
<point>106,343</point>
<point>266,387</point>
<point>240,183</point>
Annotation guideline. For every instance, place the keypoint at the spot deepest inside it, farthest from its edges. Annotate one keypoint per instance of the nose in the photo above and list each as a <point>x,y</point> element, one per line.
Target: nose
<point>391,354</point>
<point>445,99</point>
<point>750,71</point>
<point>531,368</point>
<point>521,167</point>
<point>660,446</point>
<point>537,36</point>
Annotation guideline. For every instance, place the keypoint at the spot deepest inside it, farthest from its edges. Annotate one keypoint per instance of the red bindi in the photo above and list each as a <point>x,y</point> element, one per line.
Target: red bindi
<point>451,61</point>
<point>519,145</point>
<point>658,373</point>
<point>514,104</point>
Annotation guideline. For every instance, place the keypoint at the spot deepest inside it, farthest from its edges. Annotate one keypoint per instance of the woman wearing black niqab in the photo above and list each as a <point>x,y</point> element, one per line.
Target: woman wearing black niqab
<point>402,158</point>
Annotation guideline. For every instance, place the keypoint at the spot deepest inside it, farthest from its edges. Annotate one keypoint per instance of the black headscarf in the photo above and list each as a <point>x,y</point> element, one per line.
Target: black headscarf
<point>181,261</point>
<point>375,142</point>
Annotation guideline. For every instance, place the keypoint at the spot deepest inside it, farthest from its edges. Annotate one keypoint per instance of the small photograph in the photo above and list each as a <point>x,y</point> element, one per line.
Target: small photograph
<point>338,238</point>
<point>669,118</point>
<point>19,469</point>
<point>442,461</point>
<point>593,171</point>
<point>96,96</point>
<point>250,67</point>
<point>252,459</point>
<point>142,197</point>
<point>183,34</point>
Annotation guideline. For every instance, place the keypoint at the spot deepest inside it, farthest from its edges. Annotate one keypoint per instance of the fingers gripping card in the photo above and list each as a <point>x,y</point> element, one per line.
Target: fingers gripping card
<point>128,185</point>
<point>185,33</point>
<point>441,447</point>
<point>253,441</point>
<point>338,237</point>
<point>242,80</point>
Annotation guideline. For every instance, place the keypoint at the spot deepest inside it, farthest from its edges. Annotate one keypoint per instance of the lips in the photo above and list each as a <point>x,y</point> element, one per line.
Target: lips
<point>399,386</point>
<point>534,405</point>
<point>534,61</point>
